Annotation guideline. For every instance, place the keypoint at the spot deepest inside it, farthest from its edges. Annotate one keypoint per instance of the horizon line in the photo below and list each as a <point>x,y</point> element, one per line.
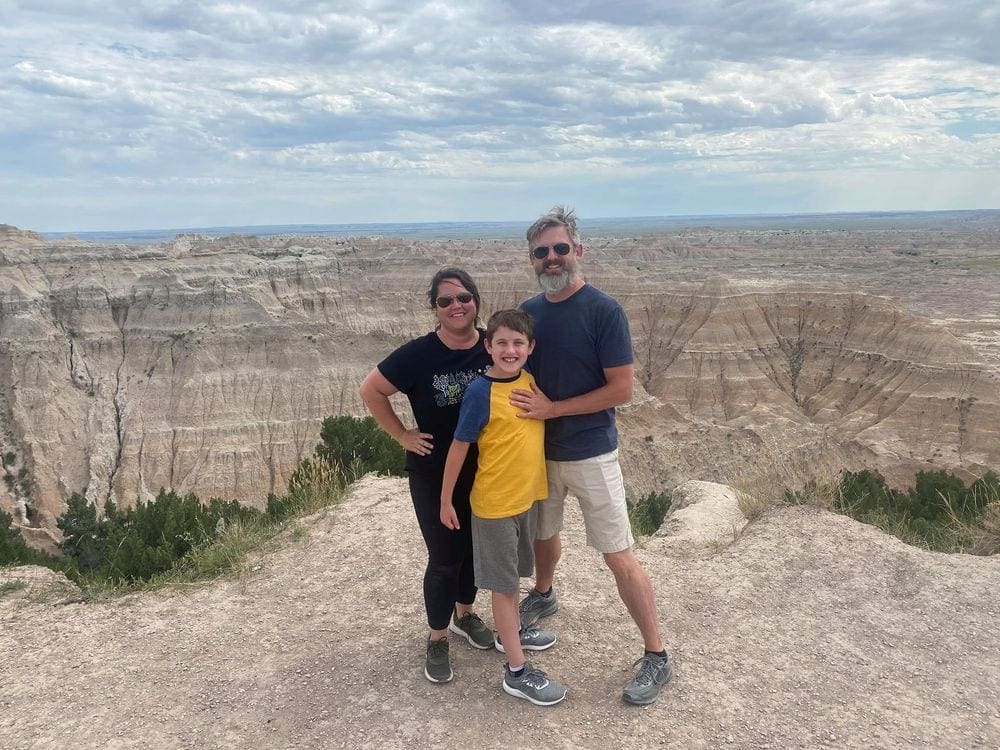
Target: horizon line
<point>299,226</point>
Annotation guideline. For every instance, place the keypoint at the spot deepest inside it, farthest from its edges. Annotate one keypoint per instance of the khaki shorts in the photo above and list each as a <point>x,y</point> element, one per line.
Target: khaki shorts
<point>597,483</point>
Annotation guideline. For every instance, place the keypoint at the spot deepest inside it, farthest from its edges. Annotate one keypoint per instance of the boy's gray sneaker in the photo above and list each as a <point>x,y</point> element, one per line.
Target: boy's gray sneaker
<point>437,666</point>
<point>532,639</point>
<point>472,628</point>
<point>654,673</point>
<point>533,685</point>
<point>534,607</point>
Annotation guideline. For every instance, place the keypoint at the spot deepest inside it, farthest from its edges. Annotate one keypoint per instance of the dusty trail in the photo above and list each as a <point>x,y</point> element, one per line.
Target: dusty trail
<point>809,630</point>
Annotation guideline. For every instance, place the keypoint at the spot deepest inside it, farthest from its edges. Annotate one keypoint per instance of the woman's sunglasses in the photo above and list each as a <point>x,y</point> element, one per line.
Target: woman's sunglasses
<point>561,248</point>
<point>445,300</point>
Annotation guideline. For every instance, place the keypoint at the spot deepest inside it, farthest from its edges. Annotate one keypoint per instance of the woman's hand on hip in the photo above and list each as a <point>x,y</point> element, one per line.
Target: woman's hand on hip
<point>417,442</point>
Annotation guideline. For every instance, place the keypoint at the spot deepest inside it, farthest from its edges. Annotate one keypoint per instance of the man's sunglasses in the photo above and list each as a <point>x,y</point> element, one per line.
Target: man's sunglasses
<point>561,248</point>
<point>445,300</point>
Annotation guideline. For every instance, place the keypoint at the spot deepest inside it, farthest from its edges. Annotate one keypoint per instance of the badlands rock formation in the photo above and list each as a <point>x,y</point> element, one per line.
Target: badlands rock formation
<point>207,365</point>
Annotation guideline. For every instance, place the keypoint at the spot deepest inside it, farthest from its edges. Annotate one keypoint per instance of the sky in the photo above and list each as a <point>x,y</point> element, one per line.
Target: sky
<point>132,114</point>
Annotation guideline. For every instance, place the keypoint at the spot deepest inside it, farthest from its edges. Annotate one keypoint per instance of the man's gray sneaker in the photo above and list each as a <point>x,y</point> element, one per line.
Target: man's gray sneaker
<point>532,639</point>
<point>471,627</point>
<point>654,673</point>
<point>437,666</point>
<point>534,607</point>
<point>533,685</point>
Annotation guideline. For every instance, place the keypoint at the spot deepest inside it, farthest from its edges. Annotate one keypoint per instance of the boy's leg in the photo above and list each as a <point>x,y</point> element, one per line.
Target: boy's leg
<point>508,625</point>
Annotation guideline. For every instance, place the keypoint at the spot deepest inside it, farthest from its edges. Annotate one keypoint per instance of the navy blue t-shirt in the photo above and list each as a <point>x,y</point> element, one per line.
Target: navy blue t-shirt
<point>434,379</point>
<point>576,339</point>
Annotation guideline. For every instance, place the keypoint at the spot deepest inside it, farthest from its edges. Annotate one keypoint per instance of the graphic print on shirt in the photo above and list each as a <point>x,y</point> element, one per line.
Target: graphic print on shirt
<point>450,387</point>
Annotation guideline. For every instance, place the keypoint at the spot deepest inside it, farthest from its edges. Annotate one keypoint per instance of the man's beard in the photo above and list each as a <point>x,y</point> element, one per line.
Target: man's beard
<point>555,284</point>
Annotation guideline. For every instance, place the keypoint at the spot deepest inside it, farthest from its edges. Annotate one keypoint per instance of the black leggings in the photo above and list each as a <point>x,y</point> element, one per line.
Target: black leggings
<point>449,577</point>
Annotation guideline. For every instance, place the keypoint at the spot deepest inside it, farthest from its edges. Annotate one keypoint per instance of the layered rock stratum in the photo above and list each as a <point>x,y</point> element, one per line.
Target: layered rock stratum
<point>207,364</point>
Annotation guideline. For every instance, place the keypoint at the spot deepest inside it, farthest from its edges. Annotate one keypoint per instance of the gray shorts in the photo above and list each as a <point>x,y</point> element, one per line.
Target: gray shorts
<point>597,483</point>
<point>503,551</point>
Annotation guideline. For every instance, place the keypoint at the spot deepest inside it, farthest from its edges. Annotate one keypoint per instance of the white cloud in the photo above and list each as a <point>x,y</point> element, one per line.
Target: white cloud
<point>405,96</point>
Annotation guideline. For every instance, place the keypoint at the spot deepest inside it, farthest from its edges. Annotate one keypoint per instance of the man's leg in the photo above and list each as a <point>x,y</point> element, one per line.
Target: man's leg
<point>636,592</point>
<point>547,554</point>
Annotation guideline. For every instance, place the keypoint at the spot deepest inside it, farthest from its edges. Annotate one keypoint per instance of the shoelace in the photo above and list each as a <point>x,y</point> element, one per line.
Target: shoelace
<point>439,647</point>
<point>647,674</point>
<point>535,677</point>
<point>527,601</point>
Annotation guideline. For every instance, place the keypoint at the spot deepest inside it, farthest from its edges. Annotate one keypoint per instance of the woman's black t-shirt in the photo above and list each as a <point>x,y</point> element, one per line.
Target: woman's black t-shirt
<point>434,379</point>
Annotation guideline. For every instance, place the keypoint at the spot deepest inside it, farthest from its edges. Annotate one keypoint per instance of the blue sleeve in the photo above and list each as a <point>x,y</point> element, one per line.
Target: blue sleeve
<point>614,345</point>
<point>475,412</point>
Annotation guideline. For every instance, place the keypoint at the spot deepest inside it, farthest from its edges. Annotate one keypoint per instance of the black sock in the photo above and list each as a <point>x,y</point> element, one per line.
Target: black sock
<point>662,654</point>
<point>546,594</point>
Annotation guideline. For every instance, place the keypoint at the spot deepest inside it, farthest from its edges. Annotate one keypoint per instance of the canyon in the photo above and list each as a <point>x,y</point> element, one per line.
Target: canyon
<point>764,356</point>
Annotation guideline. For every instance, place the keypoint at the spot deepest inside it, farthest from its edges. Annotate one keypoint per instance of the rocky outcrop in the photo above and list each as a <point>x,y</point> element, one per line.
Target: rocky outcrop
<point>704,517</point>
<point>207,365</point>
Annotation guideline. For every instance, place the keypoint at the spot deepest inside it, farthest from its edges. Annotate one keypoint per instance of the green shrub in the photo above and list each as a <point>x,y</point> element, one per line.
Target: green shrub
<point>85,539</point>
<point>647,513</point>
<point>939,512</point>
<point>355,447</point>
<point>177,537</point>
<point>15,551</point>
<point>138,543</point>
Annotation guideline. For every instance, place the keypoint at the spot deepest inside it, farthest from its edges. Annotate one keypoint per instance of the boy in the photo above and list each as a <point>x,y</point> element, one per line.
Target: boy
<point>509,480</point>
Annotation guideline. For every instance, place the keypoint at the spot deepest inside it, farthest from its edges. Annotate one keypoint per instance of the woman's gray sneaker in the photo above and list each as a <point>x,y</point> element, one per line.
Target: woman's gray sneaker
<point>437,665</point>
<point>534,607</point>
<point>532,639</point>
<point>654,673</point>
<point>533,685</point>
<point>472,628</point>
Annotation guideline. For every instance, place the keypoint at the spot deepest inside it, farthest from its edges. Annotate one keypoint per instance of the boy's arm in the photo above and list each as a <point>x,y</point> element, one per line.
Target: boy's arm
<point>452,466</point>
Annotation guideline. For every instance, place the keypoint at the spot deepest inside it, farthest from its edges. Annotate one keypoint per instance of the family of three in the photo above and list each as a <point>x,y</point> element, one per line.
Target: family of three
<point>510,421</point>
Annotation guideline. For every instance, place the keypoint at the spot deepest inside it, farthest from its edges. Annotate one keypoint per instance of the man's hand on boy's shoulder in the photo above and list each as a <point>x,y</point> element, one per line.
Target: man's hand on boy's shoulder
<point>533,404</point>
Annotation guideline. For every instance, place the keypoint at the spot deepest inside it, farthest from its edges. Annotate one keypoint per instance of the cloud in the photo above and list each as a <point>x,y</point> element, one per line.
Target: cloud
<point>394,98</point>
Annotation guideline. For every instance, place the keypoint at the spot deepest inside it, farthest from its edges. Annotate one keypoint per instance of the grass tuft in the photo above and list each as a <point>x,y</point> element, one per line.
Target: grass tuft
<point>9,587</point>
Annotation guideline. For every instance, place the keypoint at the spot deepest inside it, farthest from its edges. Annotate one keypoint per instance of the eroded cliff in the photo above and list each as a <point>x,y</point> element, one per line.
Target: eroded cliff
<point>207,365</point>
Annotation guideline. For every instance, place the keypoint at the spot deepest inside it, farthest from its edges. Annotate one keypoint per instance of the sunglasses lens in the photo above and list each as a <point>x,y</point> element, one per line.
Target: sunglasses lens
<point>542,251</point>
<point>445,301</point>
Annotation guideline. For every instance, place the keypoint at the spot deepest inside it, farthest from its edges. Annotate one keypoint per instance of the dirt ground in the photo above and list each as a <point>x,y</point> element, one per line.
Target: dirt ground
<point>806,630</point>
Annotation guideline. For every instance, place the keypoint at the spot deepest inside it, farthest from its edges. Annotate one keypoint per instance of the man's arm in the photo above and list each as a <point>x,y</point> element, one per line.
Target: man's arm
<point>534,404</point>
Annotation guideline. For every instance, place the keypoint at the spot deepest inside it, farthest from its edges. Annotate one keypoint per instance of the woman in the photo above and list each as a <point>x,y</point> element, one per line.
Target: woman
<point>433,371</point>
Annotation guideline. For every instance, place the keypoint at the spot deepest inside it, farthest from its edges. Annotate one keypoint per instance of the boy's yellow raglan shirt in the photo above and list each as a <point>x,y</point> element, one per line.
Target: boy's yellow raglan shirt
<point>511,473</point>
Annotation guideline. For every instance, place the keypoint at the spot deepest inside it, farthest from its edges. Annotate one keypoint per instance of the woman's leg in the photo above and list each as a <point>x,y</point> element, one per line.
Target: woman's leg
<point>444,578</point>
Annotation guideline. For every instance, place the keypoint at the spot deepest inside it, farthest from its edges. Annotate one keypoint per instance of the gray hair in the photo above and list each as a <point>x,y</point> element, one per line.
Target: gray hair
<point>557,216</point>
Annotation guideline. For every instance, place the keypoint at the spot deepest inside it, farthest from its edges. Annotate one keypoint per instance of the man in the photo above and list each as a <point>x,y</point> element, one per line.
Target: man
<point>582,365</point>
